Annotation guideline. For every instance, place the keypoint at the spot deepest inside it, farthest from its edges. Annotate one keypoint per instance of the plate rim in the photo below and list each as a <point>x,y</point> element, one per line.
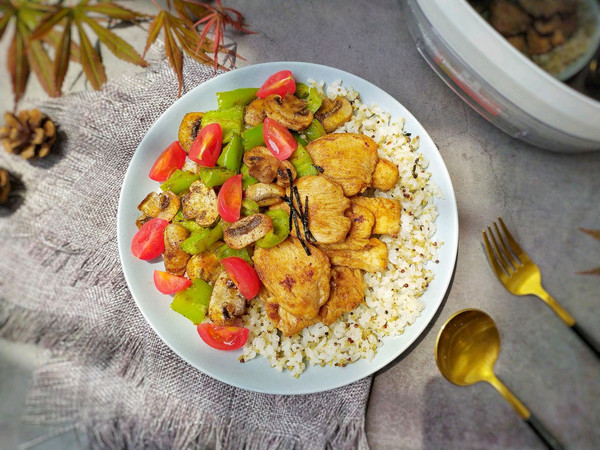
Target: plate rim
<point>445,281</point>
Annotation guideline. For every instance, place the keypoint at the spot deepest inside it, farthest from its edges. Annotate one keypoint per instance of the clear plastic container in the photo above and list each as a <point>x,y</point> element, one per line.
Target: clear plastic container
<point>500,83</point>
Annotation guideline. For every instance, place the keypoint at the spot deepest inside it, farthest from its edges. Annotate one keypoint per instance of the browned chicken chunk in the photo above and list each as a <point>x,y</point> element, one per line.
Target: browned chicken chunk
<point>385,175</point>
<point>290,111</point>
<point>538,44</point>
<point>226,302</point>
<point>346,293</point>
<point>254,113</point>
<point>334,113</point>
<point>287,323</point>
<point>508,18</point>
<point>386,212</point>
<point>362,221</point>
<point>174,258</point>
<point>548,8</point>
<point>299,283</point>
<point>369,255</point>
<point>347,159</point>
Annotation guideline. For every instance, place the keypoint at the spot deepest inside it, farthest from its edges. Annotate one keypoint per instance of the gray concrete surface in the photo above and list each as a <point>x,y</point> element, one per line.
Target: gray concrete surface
<point>544,197</point>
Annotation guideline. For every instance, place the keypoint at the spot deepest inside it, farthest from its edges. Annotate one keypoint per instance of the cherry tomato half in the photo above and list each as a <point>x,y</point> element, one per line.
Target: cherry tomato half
<point>229,201</point>
<point>223,338</point>
<point>172,158</point>
<point>168,283</point>
<point>148,242</point>
<point>243,275</point>
<point>279,83</point>
<point>206,148</point>
<point>278,139</point>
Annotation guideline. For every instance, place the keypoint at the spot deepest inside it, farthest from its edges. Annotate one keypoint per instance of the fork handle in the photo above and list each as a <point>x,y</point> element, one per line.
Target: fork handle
<point>543,433</point>
<point>587,339</point>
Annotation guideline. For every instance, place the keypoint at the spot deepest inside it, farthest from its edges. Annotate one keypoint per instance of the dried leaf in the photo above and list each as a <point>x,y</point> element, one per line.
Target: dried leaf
<point>54,37</point>
<point>18,66</point>
<point>115,44</point>
<point>4,22</point>
<point>90,60</point>
<point>49,22</point>
<point>154,30</point>
<point>63,50</point>
<point>595,271</point>
<point>40,63</point>
<point>593,233</point>
<point>115,11</point>
<point>174,54</point>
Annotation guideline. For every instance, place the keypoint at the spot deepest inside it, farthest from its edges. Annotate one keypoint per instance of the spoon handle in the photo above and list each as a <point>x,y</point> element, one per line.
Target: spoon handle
<point>543,433</point>
<point>587,339</point>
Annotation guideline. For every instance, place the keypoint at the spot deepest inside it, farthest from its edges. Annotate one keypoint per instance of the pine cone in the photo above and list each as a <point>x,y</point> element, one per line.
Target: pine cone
<point>4,186</point>
<point>31,134</point>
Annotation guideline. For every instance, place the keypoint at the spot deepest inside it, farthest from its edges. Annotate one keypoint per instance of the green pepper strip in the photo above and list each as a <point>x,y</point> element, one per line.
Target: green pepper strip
<point>237,97</point>
<point>179,181</point>
<point>280,230</point>
<point>215,176</point>
<point>314,100</point>
<point>302,162</point>
<point>231,120</point>
<point>201,241</point>
<point>302,90</point>
<point>192,302</point>
<point>225,251</point>
<point>247,180</point>
<point>190,225</point>
<point>314,131</point>
<point>253,137</point>
<point>249,207</point>
<point>231,156</point>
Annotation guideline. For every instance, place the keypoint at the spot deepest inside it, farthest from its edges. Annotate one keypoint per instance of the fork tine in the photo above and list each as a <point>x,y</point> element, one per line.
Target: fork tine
<point>509,268</point>
<point>516,248</point>
<point>497,268</point>
<point>515,262</point>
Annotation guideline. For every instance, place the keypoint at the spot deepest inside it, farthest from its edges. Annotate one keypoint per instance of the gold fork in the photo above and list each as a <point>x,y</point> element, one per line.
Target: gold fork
<point>521,276</point>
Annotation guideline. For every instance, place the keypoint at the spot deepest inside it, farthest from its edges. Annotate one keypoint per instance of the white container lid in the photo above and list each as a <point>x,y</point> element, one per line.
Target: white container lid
<point>515,76</point>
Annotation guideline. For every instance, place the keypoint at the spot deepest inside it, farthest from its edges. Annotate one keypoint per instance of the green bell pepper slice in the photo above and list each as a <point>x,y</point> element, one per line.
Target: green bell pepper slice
<point>231,120</point>
<point>215,176</point>
<point>249,207</point>
<point>302,162</point>
<point>232,154</point>
<point>314,131</point>
<point>280,231</point>
<point>201,241</point>
<point>302,91</point>
<point>253,137</point>
<point>314,100</point>
<point>179,181</point>
<point>225,251</point>
<point>193,302</point>
<point>237,97</point>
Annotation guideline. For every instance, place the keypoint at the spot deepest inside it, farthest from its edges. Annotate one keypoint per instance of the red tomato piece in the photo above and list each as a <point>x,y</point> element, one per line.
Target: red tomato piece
<point>279,83</point>
<point>223,338</point>
<point>171,159</point>
<point>206,148</point>
<point>148,242</point>
<point>229,201</point>
<point>168,283</point>
<point>278,138</point>
<point>243,275</point>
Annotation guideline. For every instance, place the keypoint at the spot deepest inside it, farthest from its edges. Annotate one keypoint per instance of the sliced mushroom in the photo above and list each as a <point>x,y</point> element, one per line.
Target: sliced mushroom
<point>204,265</point>
<point>163,205</point>
<point>200,204</point>
<point>142,220</point>
<point>254,113</point>
<point>174,258</point>
<point>283,179</point>
<point>334,113</point>
<point>289,111</point>
<point>264,194</point>
<point>385,175</point>
<point>261,163</point>
<point>189,128</point>
<point>247,230</point>
<point>226,302</point>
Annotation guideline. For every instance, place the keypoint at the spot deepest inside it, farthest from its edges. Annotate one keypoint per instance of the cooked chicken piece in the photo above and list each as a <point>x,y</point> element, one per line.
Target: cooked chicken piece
<point>546,27</point>
<point>518,42</point>
<point>264,194</point>
<point>548,8</point>
<point>254,113</point>
<point>346,293</point>
<point>372,257</point>
<point>537,44</point>
<point>283,179</point>
<point>287,323</point>
<point>247,230</point>
<point>261,163</point>
<point>385,175</point>
<point>204,265</point>
<point>174,258</point>
<point>200,203</point>
<point>163,205</point>
<point>299,283</point>
<point>226,302</point>
<point>347,159</point>
<point>386,212</point>
<point>326,207</point>
<point>189,128</point>
<point>334,113</point>
<point>362,221</point>
<point>509,19</point>
<point>289,111</point>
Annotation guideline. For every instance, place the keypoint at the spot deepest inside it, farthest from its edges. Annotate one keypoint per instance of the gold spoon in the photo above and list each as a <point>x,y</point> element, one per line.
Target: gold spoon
<point>466,349</point>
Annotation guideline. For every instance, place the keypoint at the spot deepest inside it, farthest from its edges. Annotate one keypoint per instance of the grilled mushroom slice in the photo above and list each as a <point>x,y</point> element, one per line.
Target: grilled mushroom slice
<point>261,163</point>
<point>163,205</point>
<point>254,113</point>
<point>247,230</point>
<point>289,111</point>
<point>189,128</point>
<point>264,194</point>
<point>204,265</point>
<point>283,179</point>
<point>334,113</point>
<point>175,259</point>
<point>200,204</point>
<point>226,302</point>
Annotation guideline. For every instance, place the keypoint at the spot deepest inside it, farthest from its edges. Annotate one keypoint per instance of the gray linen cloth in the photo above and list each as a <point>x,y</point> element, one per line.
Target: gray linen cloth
<point>61,285</point>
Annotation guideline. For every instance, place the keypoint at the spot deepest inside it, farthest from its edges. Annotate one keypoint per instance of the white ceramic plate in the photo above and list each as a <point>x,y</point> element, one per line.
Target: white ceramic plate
<point>178,332</point>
